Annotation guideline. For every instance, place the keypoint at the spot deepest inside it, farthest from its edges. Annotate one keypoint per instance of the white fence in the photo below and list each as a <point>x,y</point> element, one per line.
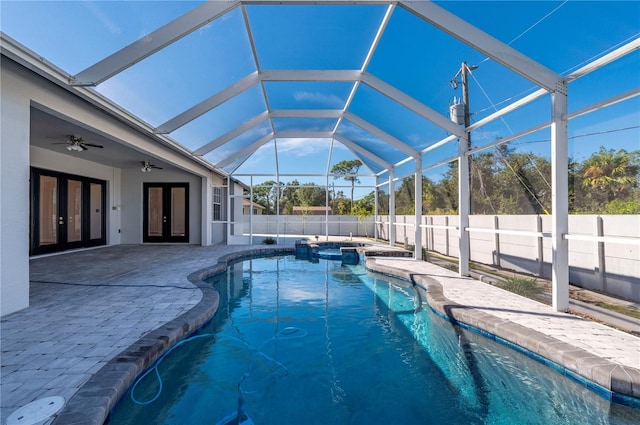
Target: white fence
<point>521,244</point>
<point>312,225</point>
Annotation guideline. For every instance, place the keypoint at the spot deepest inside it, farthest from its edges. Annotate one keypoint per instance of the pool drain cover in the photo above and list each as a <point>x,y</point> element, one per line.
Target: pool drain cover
<point>36,411</point>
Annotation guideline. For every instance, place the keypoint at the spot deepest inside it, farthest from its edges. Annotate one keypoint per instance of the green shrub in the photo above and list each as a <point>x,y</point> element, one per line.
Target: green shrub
<point>451,266</point>
<point>269,241</point>
<point>527,287</point>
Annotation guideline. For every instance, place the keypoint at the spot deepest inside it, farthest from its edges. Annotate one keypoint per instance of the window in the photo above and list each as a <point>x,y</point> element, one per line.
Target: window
<point>217,204</point>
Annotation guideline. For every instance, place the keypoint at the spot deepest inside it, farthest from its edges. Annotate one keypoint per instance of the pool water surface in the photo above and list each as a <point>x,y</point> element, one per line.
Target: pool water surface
<point>299,342</point>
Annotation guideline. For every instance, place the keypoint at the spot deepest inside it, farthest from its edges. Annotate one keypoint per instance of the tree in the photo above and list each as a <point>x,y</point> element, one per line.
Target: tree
<point>611,174</point>
<point>348,170</point>
<point>311,195</point>
<point>267,195</point>
<point>405,195</point>
<point>289,197</point>
<point>446,191</point>
<point>364,207</point>
<point>521,184</point>
<point>341,204</point>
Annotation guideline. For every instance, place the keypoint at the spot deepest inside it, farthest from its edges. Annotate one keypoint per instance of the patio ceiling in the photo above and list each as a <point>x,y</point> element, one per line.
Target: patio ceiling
<point>227,79</point>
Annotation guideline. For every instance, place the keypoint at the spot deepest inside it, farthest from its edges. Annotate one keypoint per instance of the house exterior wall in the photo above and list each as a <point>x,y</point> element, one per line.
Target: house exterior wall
<point>54,161</point>
<point>21,90</point>
<point>132,193</point>
<point>14,193</point>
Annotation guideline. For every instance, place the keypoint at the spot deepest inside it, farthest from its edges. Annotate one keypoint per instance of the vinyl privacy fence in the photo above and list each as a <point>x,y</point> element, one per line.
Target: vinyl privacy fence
<point>608,267</point>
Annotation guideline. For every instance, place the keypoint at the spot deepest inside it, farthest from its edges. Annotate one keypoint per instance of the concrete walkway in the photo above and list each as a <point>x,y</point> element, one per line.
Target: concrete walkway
<point>88,308</point>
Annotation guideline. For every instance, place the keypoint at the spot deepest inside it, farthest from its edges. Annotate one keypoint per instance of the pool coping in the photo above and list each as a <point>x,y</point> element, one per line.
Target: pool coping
<point>614,382</point>
<point>93,402</point>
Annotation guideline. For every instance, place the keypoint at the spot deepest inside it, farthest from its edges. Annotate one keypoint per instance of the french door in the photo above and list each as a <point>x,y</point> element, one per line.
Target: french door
<point>166,212</point>
<point>67,212</point>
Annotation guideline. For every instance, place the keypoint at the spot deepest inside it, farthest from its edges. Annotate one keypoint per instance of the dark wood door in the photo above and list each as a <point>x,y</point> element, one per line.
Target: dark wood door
<point>166,212</point>
<point>67,211</point>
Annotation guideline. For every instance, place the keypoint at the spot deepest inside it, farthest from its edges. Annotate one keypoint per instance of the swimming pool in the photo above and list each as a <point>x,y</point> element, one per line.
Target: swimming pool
<point>299,342</point>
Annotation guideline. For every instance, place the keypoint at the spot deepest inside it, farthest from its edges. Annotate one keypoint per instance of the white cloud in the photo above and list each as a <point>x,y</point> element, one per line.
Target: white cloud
<point>328,100</point>
<point>111,26</point>
<point>303,147</point>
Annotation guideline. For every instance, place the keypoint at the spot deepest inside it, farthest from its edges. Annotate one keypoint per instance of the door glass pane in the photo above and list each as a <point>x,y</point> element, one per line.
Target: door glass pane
<point>155,217</point>
<point>95,211</point>
<point>74,211</point>
<point>178,219</point>
<point>48,210</point>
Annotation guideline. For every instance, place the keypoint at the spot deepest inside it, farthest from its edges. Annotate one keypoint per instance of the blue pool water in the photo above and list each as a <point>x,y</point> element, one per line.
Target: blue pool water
<point>299,342</point>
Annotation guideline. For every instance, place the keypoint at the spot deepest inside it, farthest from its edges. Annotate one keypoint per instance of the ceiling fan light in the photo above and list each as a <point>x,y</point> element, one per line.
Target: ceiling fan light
<point>74,147</point>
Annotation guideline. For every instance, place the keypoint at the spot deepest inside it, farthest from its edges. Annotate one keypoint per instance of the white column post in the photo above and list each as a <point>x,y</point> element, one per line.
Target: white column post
<point>375,210</point>
<point>326,209</point>
<point>278,209</point>
<point>250,211</point>
<point>206,211</point>
<point>464,201</point>
<point>418,210</point>
<point>229,190</point>
<point>559,199</point>
<point>14,197</point>
<point>392,208</point>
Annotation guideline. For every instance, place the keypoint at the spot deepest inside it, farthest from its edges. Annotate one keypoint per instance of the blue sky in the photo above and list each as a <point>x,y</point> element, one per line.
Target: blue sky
<point>413,56</point>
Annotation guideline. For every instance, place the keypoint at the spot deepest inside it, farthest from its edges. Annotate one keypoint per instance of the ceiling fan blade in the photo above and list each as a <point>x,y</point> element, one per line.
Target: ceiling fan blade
<point>156,167</point>
<point>92,145</point>
<point>84,148</point>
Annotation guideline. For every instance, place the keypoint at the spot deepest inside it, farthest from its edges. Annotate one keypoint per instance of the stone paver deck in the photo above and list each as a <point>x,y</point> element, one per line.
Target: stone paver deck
<point>599,353</point>
<point>87,307</point>
<point>98,317</point>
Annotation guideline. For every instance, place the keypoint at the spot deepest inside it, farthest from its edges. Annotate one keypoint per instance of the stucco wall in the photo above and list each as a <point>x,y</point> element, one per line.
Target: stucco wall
<point>54,161</point>
<point>14,194</point>
<point>21,90</point>
<point>132,192</point>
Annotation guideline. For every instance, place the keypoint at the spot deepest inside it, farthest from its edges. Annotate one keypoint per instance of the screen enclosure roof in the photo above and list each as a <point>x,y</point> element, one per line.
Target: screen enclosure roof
<point>294,87</point>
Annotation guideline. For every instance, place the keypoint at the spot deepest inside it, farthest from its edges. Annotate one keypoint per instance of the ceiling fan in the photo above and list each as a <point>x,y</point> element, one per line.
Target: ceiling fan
<point>148,166</point>
<point>75,143</point>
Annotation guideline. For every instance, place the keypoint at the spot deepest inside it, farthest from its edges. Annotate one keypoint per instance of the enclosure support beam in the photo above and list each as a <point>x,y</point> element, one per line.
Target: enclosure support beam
<point>376,217</point>
<point>205,219</point>
<point>483,42</point>
<point>392,208</point>
<point>151,43</point>
<point>559,200</point>
<point>418,210</point>
<point>326,209</point>
<point>228,207</point>
<point>464,205</point>
<point>251,211</point>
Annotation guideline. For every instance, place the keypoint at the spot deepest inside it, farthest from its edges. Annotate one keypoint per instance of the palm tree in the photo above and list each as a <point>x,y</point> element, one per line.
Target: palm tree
<point>613,174</point>
<point>348,170</point>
